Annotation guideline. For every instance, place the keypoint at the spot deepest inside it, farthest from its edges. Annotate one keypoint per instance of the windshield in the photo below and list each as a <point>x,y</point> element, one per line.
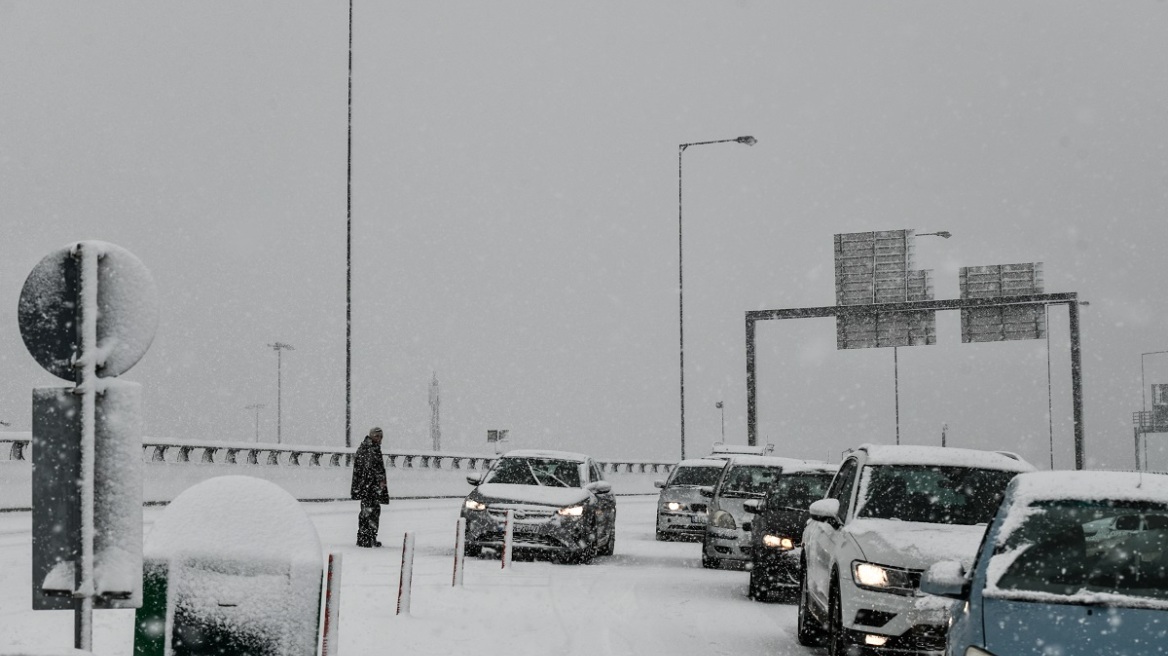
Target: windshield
<point>695,476</point>
<point>798,490</point>
<point>936,495</point>
<point>749,480</point>
<point>535,471</point>
<point>1072,547</point>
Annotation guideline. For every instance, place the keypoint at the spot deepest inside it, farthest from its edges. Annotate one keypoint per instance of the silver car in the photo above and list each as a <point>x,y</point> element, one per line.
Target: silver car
<point>681,509</point>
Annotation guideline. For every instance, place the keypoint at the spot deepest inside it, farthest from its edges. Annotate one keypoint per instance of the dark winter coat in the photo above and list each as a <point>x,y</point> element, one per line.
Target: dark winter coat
<point>369,474</point>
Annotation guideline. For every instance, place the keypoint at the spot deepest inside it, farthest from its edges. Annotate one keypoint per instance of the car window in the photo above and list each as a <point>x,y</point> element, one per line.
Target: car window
<point>749,480</point>
<point>936,495</point>
<point>797,490</point>
<point>535,471</point>
<point>1053,551</point>
<point>694,476</point>
<point>842,485</point>
<point>597,475</point>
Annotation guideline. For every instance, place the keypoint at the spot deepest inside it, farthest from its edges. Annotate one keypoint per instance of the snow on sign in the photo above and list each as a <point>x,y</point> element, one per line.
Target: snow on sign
<point>1005,322</point>
<point>873,268</point>
<point>87,313</point>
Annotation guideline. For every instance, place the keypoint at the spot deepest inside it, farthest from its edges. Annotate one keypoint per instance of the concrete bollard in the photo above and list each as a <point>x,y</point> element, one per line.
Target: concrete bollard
<point>406,582</point>
<point>508,539</point>
<point>459,551</point>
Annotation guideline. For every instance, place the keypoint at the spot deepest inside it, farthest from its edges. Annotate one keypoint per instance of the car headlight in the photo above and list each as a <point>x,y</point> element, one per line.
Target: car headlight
<point>777,542</point>
<point>673,505</point>
<point>471,504</point>
<point>882,579</point>
<point>723,519</point>
<point>571,511</point>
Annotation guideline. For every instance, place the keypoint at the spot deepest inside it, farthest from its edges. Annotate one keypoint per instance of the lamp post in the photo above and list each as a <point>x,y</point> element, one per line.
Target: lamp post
<point>718,405</point>
<point>1144,403</point>
<point>943,234</point>
<point>749,141</point>
<point>256,407</point>
<point>279,348</point>
<point>349,255</point>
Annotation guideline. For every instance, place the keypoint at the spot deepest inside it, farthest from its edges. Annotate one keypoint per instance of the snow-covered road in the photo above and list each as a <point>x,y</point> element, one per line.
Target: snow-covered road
<point>648,598</point>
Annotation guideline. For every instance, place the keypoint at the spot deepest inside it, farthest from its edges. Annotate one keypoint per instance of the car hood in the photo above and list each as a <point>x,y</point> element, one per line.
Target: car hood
<point>682,493</point>
<point>915,545</point>
<point>538,495</point>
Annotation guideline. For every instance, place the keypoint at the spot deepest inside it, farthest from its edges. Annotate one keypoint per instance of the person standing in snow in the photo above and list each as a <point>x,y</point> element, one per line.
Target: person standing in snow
<point>369,487</point>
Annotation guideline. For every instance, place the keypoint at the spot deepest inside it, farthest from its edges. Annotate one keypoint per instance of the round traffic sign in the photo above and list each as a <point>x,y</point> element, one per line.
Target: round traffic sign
<point>50,309</point>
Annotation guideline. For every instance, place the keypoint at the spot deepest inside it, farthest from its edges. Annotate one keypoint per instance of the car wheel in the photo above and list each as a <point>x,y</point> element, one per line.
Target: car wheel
<point>809,632</point>
<point>610,545</point>
<point>836,642</point>
<point>662,536</point>
<point>759,589</point>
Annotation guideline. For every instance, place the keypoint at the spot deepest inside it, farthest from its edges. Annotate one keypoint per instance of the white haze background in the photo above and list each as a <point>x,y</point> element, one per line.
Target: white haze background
<point>515,210</point>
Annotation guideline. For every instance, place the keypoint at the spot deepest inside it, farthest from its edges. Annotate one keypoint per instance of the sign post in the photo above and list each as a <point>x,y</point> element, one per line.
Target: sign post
<point>87,313</point>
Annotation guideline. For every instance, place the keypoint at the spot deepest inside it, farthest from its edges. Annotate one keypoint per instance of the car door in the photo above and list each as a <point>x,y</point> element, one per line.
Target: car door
<point>821,538</point>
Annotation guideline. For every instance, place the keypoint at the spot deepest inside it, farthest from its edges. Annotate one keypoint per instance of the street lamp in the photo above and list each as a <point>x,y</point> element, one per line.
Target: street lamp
<point>349,255</point>
<point>1144,403</point>
<point>749,141</point>
<point>256,407</point>
<point>279,347</point>
<point>944,234</point>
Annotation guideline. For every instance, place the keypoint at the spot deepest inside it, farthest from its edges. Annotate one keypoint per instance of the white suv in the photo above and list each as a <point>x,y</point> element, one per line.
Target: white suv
<point>890,513</point>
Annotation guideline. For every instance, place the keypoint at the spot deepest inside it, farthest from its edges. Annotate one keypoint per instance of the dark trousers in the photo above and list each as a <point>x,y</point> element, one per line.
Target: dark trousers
<point>368,522</point>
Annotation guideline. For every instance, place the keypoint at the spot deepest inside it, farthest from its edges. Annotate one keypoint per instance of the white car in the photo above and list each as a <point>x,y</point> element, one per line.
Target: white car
<point>889,514</point>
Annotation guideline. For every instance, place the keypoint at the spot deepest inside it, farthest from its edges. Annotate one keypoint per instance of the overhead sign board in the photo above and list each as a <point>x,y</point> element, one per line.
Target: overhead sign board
<point>1006,322</point>
<point>877,267</point>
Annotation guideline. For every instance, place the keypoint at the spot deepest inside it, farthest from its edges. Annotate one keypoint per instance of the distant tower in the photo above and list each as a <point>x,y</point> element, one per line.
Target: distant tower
<point>435,429</point>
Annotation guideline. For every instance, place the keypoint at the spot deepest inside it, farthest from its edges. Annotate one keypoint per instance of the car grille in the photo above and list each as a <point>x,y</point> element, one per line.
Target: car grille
<point>697,507</point>
<point>499,513</point>
<point>522,540</point>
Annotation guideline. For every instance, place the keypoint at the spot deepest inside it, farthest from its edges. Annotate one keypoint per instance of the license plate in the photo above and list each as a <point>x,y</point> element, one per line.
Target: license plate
<point>697,519</point>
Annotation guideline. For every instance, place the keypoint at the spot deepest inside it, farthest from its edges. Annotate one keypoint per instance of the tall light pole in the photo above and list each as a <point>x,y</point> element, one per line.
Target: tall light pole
<point>943,234</point>
<point>257,407</point>
<point>718,405</point>
<point>1144,402</point>
<point>349,255</point>
<point>279,348</point>
<point>749,141</point>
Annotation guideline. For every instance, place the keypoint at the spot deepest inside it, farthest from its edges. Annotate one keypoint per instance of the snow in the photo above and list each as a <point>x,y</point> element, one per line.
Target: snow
<point>649,598</point>
<point>546,453</point>
<point>937,456</point>
<point>537,494</point>
<point>917,545</point>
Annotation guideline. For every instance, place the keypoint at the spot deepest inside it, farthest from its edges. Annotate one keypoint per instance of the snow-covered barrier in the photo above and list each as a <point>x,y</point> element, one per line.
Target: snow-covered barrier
<point>308,473</point>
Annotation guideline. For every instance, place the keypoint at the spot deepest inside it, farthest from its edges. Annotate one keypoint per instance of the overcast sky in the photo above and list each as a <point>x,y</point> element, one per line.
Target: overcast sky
<point>515,211</point>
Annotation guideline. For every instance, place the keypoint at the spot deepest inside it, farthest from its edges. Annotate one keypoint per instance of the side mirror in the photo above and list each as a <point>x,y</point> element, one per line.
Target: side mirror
<point>706,491</point>
<point>825,510</point>
<point>755,506</point>
<point>474,479</point>
<point>946,578</point>
<point>600,487</point>
<point>659,484</point>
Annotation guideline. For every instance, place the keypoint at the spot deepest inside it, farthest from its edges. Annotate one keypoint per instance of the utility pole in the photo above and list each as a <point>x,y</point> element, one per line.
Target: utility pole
<point>257,407</point>
<point>435,429</point>
<point>279,347</point>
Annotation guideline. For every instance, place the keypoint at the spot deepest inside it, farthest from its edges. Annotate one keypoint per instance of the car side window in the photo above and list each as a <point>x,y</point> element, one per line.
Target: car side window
<point>842,486</point>
<point>595,472</point>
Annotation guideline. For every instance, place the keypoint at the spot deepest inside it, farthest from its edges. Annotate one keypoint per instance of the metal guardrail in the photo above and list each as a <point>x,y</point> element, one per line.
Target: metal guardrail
<point>20,448</point>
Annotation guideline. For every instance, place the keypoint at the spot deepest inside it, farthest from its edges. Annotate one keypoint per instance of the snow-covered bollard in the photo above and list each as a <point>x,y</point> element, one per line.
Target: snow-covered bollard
<point>459,551</point>
<point>407,575</point>
<point>330,642</point>
<point>508,539</point>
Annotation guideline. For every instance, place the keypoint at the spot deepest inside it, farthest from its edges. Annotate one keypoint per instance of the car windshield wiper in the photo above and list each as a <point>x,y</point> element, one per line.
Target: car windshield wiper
<point>531,470</point>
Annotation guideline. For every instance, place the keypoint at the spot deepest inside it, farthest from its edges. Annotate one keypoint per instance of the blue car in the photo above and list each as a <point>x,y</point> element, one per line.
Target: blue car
<point>1055,576</point>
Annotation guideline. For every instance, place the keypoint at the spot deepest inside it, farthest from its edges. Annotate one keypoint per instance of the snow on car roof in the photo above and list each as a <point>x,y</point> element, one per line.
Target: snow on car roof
<point>703,462</point>
<point>942,456</point>
<point>1090,485</point>
<point>772,461</point>
<point>545,453</point>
